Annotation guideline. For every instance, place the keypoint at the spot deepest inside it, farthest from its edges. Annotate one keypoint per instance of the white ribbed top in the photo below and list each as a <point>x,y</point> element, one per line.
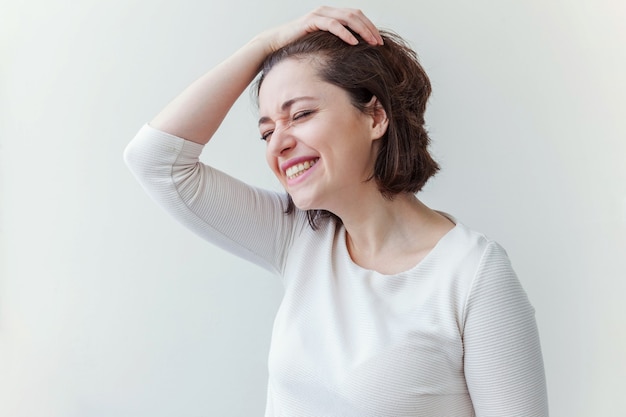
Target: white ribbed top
<point>455,336</point>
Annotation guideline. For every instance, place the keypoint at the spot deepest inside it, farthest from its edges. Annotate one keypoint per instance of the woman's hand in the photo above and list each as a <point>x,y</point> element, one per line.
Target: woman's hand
<point>330,19</point>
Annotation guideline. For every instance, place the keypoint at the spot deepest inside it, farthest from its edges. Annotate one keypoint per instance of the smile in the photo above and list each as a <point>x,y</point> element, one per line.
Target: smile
<point>298,169</point>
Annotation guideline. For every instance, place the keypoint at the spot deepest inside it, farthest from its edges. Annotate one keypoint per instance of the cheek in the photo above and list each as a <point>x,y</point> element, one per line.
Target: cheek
<point>272,162</point>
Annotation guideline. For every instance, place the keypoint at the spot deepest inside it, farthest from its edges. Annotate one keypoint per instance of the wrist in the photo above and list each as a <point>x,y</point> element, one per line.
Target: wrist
<point>264,43</point>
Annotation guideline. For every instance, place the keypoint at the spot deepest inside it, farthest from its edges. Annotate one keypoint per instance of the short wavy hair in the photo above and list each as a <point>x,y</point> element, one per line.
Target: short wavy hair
<point>393,74</point>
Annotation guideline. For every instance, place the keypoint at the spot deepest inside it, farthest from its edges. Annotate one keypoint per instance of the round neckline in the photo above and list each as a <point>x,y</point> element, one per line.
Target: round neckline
<point>343,244</point>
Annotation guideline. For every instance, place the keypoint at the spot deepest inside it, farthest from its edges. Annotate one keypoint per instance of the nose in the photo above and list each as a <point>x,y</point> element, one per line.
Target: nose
<point>282,140</point>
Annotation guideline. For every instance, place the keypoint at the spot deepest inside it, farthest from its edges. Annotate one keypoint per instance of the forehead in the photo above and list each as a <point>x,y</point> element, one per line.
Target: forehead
<point>287,79</point>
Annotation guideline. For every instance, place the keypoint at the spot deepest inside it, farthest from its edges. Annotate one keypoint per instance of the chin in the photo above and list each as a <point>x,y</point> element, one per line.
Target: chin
<point>304,203</point>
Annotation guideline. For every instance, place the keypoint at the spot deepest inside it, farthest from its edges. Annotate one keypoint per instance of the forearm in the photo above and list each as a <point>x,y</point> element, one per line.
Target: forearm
<point>199,110</point>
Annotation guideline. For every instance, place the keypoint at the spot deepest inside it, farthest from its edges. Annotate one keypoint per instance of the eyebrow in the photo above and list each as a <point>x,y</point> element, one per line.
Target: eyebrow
<point>285,106</point>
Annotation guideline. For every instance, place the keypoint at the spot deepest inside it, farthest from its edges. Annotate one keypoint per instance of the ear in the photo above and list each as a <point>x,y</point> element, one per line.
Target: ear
<point>380,121</point>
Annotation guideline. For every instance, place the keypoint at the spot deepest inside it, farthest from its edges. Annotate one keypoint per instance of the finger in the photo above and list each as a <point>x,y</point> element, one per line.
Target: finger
<point>362,25</point>
<point>355,20</point>
<point>335,27</point>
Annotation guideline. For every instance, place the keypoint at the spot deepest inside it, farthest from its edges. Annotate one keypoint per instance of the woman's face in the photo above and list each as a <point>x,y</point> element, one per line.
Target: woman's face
<point>319,146</point>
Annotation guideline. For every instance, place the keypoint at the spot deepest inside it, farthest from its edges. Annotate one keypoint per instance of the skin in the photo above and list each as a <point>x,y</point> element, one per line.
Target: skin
<point>389,236</point>
<point>321,124</point>
<point>305,118</point>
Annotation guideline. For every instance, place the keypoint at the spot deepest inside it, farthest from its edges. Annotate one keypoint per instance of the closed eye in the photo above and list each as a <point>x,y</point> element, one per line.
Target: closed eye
<point>302,114</point>
<point>296,117</point>
<point>266,135</point>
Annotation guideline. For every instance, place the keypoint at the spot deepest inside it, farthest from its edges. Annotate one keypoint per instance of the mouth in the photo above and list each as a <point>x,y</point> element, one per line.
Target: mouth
<point>295,171</point>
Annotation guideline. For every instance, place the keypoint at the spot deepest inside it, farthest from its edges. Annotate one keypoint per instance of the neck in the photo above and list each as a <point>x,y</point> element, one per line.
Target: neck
<point>391,236</point>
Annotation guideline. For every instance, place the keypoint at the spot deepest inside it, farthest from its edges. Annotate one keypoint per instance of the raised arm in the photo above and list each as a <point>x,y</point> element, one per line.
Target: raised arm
<point>198,111</point>
<point>164,156</point>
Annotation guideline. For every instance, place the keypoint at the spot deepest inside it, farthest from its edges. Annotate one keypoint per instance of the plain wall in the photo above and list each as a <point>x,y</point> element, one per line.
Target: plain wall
<point>109,308</point>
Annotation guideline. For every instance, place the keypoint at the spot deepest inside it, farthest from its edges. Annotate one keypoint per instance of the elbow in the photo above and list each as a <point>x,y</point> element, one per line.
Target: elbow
<point>132,159</point>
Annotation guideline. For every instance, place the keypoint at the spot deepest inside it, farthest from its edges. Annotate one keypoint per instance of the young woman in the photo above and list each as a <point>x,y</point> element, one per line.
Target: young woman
<point>390,308</point>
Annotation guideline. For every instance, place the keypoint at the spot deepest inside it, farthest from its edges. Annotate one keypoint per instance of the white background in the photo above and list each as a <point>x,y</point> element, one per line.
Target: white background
<point>110,308</point>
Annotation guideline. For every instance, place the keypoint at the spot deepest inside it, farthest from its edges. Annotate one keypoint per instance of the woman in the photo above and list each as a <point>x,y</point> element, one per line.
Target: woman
<point>390,308</point>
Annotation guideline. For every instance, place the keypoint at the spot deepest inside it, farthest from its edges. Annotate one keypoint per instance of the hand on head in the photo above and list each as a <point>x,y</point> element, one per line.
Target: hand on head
<point>329,19</point>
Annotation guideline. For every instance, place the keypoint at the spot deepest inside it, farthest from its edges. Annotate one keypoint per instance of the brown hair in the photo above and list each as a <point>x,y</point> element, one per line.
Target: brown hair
<point>393,74</point>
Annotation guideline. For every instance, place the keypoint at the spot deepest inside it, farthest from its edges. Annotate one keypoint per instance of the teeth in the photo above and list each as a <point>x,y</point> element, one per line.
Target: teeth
<point>299,169</point>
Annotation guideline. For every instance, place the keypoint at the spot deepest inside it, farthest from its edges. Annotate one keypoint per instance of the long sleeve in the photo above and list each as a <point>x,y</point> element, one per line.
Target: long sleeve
<point>503,363</point>
<point>244,220</point>
<point>455,335</point>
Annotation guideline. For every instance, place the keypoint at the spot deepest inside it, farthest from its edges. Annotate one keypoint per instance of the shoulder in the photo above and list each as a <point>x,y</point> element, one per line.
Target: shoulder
<point>468,248</point>
<point>465,260</point>
<point>482,258</point>
<point>487,283</point>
